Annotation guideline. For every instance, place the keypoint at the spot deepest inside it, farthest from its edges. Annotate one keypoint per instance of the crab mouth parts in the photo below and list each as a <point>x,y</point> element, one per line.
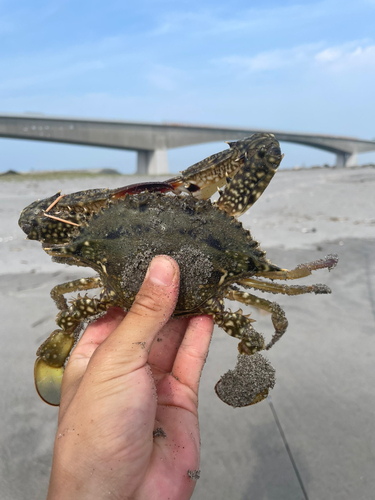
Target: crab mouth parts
<point>59,251</point>
<point>53,250</point>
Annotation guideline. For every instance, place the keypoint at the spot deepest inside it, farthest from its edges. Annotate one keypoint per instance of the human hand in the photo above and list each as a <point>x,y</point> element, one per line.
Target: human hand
<point>126,378</point>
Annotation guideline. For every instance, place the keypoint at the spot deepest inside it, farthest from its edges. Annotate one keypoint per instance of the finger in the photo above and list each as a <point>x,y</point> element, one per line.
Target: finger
<point>166,344</point>
<point>193,352</point>
<point>127,347</point>
<point>93,336</point>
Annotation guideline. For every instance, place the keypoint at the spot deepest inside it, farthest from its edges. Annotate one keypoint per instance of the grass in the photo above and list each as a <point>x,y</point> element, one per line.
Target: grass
<point>60,174</point>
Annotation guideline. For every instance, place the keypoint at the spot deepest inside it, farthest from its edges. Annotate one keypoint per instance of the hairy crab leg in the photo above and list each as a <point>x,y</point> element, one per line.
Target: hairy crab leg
<point>270,287</point>
<point>52,354</point>
<point>303,270</point>
<point>278,317</point>
<point>57,292</point>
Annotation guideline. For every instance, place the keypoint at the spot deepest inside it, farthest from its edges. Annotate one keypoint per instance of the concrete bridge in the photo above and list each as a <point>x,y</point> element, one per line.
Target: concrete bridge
<point>152,140</point>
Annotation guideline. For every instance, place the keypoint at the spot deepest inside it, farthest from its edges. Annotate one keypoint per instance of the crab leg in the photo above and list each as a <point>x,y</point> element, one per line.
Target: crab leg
<point>132,189</point>
<point>278,318</point>
<point>57,292</point>
<point>265,286</point>
<point>52,354</point>
<point>239,326</point>
<point>204,178</point>
<point>236,325</point>
<point>303,270</point>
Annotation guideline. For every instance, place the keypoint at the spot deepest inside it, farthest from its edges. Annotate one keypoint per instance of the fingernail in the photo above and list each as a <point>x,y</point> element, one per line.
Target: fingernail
<point>161,271</point>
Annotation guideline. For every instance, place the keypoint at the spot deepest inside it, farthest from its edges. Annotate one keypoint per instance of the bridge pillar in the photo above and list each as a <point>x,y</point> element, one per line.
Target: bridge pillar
<point>346,159</point>
<point>152,162</point>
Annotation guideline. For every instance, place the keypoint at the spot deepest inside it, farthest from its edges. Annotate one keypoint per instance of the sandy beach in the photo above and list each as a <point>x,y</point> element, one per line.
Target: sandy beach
<point>314,439</point>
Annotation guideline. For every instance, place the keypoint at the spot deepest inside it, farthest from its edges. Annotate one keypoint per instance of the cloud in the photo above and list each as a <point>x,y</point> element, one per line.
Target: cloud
<point>44,67</point>
<point>283,17</point>
<point>348,57</point>
<point>50,76</point>
<point>272,60</point>
<point>359,55</point>
<point>219,21</point>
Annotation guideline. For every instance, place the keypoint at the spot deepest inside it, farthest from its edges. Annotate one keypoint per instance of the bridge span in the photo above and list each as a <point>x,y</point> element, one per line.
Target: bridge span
<point>152,140</point>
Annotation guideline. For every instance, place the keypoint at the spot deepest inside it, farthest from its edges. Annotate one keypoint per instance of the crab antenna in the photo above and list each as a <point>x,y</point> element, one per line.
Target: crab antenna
<point>61,220</point>
<point>56,201</point>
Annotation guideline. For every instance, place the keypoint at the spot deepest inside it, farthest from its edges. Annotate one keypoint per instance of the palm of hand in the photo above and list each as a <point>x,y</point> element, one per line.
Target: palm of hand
<point>107,419</point>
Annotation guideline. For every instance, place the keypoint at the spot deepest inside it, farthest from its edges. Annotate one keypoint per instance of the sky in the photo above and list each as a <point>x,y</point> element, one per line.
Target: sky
<point>285,65</point>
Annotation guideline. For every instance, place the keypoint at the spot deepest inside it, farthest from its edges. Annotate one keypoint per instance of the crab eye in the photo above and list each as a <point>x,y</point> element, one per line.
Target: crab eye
<point>262,153</point>
<point>275,151</point>
<point>275,155</point>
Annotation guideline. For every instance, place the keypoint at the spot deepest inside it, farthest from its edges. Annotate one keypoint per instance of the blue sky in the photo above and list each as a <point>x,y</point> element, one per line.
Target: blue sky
<point>306,67</point>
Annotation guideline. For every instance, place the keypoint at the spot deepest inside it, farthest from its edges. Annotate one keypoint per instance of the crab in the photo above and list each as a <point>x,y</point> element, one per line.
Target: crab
<point>117,232</point>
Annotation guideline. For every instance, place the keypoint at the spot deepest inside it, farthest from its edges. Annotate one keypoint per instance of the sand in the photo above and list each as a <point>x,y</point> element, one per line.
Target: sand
<point>324,397</point>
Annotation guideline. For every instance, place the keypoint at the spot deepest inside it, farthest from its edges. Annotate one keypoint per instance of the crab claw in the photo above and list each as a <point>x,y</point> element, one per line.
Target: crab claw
<point>260,161</point>
<point>245,169</point>
<point>249,382</point>
<point>48,381</point>
<point>49,367</point>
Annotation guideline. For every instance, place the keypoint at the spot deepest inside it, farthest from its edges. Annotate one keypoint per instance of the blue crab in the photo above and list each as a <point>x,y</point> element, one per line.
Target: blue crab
<point>117,232</point>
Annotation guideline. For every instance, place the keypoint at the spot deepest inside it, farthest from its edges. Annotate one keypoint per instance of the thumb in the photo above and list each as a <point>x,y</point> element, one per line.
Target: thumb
<point>130,343</point>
